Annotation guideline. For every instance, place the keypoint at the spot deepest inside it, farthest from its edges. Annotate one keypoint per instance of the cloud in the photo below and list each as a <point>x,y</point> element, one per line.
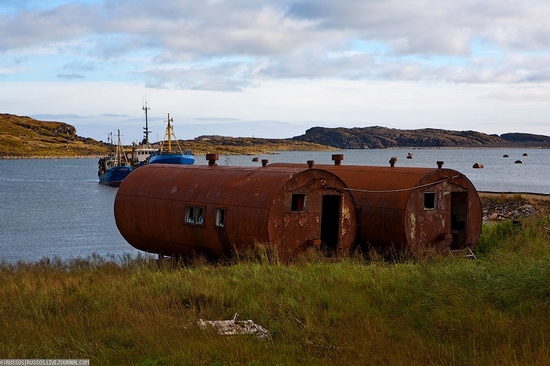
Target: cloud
<point>237,45</point>
<point>115,115</point>
<point>55,117</point>
<point>70,76</point>
<point>28,28</point>
<point>226,76</point>
<point>216,119</point>
<point>80,66</point>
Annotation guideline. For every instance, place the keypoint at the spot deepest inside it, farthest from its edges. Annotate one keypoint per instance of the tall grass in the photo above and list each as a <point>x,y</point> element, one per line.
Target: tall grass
<point>353,311</point>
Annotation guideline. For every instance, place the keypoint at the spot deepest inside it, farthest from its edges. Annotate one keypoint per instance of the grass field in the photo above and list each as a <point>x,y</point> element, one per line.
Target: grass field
<point>356,311</point>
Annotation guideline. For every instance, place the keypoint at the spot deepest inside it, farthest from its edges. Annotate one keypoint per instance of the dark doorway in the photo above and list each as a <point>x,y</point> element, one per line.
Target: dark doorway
<point>330,222</point>
<point>459,219</point>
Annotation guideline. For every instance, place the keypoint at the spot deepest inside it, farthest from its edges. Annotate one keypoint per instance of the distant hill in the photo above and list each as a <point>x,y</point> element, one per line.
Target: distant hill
<point>249,145</point>
<point>27,137</point>
<point>377,137</point>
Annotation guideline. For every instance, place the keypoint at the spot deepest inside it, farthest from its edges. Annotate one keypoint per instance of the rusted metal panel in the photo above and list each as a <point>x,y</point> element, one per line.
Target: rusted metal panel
<point>416,209</point>
<point>157,206</point>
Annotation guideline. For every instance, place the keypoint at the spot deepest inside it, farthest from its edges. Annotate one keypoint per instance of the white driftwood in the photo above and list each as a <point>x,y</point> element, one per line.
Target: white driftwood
<point>235,327</point>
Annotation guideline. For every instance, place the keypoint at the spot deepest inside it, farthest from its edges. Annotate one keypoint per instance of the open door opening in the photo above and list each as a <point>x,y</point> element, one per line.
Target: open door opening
<point>330,222</point>
<point>459,220</point>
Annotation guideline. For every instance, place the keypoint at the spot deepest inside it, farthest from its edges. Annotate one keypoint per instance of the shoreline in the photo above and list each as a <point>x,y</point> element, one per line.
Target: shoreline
<point>514,195</point>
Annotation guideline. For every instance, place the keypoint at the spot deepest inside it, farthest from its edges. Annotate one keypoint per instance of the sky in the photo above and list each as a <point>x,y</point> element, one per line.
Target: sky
<point>274,68</point>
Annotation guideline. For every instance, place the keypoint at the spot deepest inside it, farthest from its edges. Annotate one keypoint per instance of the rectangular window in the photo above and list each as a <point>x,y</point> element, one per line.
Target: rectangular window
<point>429,200</point>
<point>194,215</point>
<point>189,214</point>
<point>298,202</point>
<point>220,217</point>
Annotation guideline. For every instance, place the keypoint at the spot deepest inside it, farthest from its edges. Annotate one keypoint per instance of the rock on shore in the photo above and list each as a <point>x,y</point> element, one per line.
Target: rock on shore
<point>499,210</point>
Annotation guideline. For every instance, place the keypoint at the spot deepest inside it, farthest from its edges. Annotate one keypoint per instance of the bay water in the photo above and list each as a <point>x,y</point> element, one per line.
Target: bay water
<point>56,207</point>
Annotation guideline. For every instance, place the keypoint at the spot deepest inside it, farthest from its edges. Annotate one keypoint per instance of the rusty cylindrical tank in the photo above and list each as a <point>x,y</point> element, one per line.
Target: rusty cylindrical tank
<point>212,210</point>
<point>412,209</point>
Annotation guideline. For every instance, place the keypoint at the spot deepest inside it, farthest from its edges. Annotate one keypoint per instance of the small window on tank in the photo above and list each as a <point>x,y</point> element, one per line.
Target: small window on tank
<point>220,218</point>
<point>189,214</point>
<point>194,215</point>
<point>298,202</point>
<point>199,215</point>
<point>429,200</point>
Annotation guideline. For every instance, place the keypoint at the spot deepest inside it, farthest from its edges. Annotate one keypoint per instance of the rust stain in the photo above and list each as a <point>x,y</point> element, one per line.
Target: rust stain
<point>412,232</point>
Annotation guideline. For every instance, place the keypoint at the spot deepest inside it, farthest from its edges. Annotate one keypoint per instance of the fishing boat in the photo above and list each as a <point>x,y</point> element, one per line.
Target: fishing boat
<point>167,155</point>
<point>113,168</point>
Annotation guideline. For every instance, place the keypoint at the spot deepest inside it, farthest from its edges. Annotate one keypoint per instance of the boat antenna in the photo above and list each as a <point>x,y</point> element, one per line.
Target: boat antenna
<point>146,131</point>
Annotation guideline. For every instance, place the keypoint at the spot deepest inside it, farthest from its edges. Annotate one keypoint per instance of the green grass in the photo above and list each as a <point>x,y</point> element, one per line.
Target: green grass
<point>355,311</point>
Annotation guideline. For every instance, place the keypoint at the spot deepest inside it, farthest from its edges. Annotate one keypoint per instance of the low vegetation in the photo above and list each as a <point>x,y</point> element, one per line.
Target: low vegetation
<point>248,145</point>
<point>354,311</point>
<point>27,137</point>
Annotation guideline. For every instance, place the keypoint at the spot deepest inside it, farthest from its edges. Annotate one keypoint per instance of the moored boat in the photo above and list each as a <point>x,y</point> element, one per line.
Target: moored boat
<point>112,169</point>
<point>166,154</point>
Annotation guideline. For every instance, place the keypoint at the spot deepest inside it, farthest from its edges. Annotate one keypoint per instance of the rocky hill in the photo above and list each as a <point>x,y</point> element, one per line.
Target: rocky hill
<point>27,137</point>
<point>381,137</point>
<point>22,137</point>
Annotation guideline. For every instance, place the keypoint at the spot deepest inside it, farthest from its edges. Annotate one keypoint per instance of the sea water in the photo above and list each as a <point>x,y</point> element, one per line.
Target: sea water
<point>56,207</point>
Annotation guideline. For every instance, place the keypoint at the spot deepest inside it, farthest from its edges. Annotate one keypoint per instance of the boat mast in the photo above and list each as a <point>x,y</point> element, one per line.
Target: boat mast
<point>118,153</point>
<point>169,133</point>
<point>146,131</point>
<point>168,138</point>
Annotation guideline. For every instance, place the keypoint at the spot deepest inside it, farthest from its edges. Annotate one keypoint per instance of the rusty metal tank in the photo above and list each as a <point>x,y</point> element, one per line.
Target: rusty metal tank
<point>411,209</point>
<point>214,210</point>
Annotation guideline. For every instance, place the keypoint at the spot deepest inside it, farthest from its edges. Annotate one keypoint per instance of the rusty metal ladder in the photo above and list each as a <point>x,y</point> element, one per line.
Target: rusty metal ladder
<point>466,253</point>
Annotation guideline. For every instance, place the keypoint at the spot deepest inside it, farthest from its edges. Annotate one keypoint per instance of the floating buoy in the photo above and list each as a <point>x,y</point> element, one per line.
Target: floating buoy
<point>525,154</point>
<point>517,162</point>
<point>477,166</point>
<point>410,155</point>
<point>505,156</point>
<point>255,159</point>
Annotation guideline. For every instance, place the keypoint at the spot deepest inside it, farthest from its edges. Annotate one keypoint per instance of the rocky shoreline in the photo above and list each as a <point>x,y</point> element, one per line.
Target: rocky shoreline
<point>500,211</point>
<point>500,207</point>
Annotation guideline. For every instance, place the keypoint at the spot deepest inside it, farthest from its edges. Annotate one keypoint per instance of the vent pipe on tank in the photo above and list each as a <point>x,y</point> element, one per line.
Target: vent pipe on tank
<point>337,158</point>
<point>212,159</point>
<point>264,162</point>
<point>439,164</point>
<point>310,163</point>
<point>393,160</point>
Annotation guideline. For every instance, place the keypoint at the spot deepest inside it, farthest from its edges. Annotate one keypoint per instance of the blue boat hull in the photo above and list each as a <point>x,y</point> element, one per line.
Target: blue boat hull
<point>115,175</point>
<point>172,159</point>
